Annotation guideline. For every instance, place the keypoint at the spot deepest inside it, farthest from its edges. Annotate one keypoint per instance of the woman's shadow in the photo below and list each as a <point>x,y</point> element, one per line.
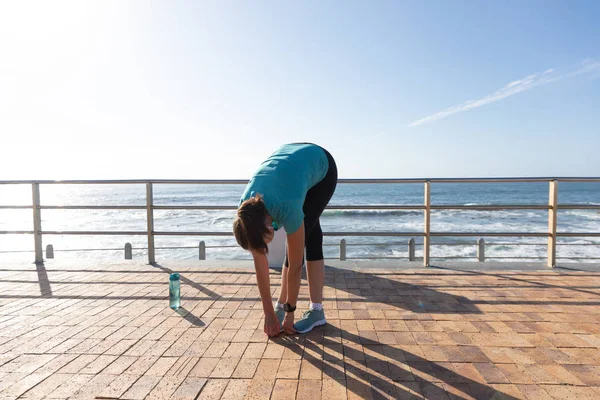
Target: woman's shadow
<point>373,369</point>
<point>381,370</point>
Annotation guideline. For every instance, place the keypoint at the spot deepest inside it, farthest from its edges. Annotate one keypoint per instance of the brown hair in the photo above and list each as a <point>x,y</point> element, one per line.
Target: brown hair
<point>249,227</point>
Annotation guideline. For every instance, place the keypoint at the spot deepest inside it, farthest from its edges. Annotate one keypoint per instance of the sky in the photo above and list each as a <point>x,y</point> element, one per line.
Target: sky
<point>209,89</point>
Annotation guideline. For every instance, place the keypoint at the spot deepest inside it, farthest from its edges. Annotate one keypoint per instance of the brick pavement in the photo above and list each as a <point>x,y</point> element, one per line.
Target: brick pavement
<point>85,330</point>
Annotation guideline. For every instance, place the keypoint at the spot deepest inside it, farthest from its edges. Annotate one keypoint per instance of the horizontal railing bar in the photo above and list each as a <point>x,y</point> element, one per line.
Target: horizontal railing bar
<point>372,258</point>
<point>194,207</point>
<point>454,257</point>
<point>579,207</point>
<point>193,233</point>
<point>234,246</point>
<point>578,244</point>
<point>75,250</point>
<point>333,207</point>
<point>350,233</point>
<point>374,244</point>
<point>350,181</point>
<point>488,257</point>
<point>133,248</point>
<point>100,233</point>
<point>93,207</point>
<point>490,207</point>
<point>514,244</point>
<point>16,232</point>
<point>380,234</point>
<point>454,244</point>
<point>375,207</point>
<point>578,234</point>
<point>15,251</point>
<point>131,182</point>
<point>490,234</point>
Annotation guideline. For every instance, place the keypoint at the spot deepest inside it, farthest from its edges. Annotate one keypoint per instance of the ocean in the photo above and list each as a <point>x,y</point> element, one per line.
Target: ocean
<point>19,247</point>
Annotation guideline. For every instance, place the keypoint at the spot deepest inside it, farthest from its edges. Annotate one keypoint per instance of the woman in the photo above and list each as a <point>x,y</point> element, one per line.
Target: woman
<point>290,190</point>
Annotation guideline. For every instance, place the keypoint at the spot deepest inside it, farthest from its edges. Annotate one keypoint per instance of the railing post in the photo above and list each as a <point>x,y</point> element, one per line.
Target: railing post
<point>49,251</point>
<point>128,251</point>
<point>411,249</point>
<point>427,236</point>
<point>37,223</point>
<point>481,250</point>
<point>552,222</point>
<point>150,222</point>
<point>343,250</point>
<point>202,250</point>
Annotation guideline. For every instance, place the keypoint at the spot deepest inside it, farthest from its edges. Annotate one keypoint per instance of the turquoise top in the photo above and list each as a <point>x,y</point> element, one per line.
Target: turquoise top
<point>283,180</point>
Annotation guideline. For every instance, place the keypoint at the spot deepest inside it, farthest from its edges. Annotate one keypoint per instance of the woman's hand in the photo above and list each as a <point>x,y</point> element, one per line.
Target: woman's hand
<point>272,327</point>
<point>288,323</point>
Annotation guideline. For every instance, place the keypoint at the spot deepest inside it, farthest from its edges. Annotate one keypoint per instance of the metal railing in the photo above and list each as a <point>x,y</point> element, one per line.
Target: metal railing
<point>552,234</point>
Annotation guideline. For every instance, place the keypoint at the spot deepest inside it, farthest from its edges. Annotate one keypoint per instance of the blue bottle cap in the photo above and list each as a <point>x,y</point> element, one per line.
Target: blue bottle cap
<point>174,276</point>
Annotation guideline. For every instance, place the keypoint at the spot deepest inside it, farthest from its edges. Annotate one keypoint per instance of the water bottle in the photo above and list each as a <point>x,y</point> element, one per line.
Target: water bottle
<point>174,291</point>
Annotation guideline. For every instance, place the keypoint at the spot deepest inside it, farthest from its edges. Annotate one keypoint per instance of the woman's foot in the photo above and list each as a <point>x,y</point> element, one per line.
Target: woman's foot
<point>309,320</point>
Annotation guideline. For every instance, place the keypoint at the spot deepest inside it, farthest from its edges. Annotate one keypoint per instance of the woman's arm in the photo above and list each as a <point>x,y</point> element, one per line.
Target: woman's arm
<point>261,265</point>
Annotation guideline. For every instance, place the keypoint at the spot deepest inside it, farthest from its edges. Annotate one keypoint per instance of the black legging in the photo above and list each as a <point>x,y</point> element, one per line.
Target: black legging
<point>315,202</point>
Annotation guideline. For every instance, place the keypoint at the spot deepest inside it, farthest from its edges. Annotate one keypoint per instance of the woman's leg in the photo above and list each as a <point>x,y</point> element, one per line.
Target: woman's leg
<point>283,292</point>
<point>316,200</point>
<point>315,270</point>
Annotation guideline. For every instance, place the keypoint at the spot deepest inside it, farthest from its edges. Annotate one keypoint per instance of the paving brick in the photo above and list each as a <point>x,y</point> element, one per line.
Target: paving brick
<point>165,388</point>
<point>260,388</point>
<point>235,350</point>
<point>212,390</point>
<point>70,386</point>
<point>23,384</point>
<point>120,365</point>
<point>237,389</point>
<point>571,392</point>
<point>47,386</point>
<point>140,366</point>
<point>311,369</point>
<point>141,388</point>
<point>309,389</point>
<point>78,364</point>
<point>189,388</point>
<point>204,367</point>
<point>289,369</point>
<point>284,389</point>
<point>118,386</point>
<point>468,372</point>
<point>334,389</point>
<point>161,366</point>
<point>93,387</point>
<point>224,368</point>
<point>98,365</point>
<point>246,368</point>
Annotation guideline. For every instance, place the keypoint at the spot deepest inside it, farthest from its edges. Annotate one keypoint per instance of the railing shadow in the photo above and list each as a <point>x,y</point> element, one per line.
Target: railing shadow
<point>42,274</point>
<point>535,284</point>
<point>371,287</point>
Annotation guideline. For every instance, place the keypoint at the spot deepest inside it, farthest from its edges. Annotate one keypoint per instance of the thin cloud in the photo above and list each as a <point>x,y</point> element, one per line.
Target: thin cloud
<point>512,88</point>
